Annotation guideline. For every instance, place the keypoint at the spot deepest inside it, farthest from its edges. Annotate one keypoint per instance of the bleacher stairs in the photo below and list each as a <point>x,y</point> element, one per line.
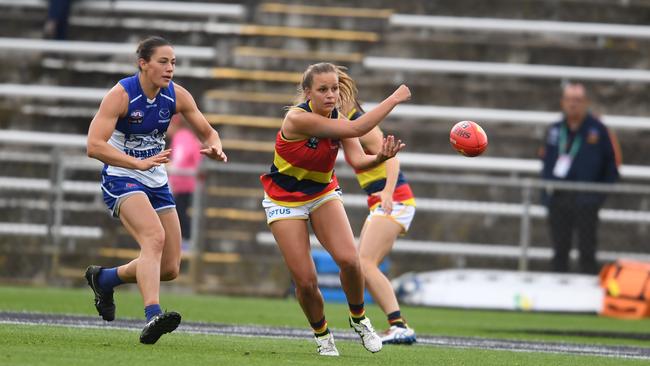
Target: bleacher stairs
<point>243,60</point>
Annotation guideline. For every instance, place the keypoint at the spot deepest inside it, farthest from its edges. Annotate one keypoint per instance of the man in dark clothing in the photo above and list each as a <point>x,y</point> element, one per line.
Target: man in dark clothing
<point>578,148</point>
<point>56,26</point>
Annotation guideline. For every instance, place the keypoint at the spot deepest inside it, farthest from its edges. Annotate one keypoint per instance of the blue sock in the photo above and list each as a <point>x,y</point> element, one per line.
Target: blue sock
<point>152,310</point>
<point>108,279</point>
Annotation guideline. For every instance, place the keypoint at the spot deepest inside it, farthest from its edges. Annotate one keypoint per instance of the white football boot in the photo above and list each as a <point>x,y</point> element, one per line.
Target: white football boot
<point>398,335</point>
<point>326,346</point>
<point>369,337</point>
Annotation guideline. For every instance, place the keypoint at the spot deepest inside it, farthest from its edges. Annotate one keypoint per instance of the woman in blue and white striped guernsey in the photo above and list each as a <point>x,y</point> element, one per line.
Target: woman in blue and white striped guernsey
<point>127,135</point>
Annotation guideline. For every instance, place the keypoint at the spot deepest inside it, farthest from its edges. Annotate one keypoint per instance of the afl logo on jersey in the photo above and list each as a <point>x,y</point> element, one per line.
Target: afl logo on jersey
<point>136,116</point>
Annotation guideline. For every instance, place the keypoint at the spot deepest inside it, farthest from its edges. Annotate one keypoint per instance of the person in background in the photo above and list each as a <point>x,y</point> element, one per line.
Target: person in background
<point>183,167</point>
<point>301,186</point>
<point>128,135</point>
<point>392,207</point>
<point>56,25</point>
<point>578,148</point>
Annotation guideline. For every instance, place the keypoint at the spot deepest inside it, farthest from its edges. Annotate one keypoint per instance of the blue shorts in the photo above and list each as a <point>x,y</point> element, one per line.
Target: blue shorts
<point>115,189</point>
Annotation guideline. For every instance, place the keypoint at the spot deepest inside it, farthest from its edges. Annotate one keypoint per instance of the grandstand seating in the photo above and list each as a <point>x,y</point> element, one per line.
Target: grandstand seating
<point>242,62</point>
<point>472,250</point>
<point>180,71</point>
<point>506,69</point>
<point>605,11</point>
<point>67,231</point>
<point>409,160</point>
<point>248,30</point>
<point>353,12</point>
<point>518,26</point>
<point>406,111</point>
<point>490,115</point>
<point>52,92</point>
<point>79,48</point>
<point>176,8</point>
<point>260,52</point>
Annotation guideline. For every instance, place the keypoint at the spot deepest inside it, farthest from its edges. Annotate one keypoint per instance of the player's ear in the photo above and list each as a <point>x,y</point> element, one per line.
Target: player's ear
<point>142,63</point>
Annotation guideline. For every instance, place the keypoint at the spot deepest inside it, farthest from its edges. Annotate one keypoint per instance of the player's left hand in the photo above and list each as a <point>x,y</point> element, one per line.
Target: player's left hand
<point>386,200</point>
<point>215,152</point>
<point>389,148</point>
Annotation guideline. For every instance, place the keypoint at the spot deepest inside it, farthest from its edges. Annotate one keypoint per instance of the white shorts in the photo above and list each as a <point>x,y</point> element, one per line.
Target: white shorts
<point>401,214</point>
<point>275,211</point>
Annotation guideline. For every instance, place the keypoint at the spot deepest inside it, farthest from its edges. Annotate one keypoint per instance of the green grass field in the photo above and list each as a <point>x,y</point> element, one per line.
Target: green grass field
<point>54,345</point>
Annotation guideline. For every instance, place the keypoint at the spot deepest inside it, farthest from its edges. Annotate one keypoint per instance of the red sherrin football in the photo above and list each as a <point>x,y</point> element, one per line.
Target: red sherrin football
<point>468,138</point>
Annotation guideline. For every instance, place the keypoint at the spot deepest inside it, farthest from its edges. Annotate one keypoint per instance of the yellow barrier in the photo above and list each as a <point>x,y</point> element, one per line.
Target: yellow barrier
<point>332,11</point>
<point>261,75</point>
<point>314,33</point>
<point>243,120</point>
<point>211,257</point>
<point>250,96</point>
<point>235,213</point>
<point>298,55</point>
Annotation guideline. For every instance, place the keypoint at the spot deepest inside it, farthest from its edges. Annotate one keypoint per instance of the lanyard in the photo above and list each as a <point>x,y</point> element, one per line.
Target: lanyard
<point>562,146</point>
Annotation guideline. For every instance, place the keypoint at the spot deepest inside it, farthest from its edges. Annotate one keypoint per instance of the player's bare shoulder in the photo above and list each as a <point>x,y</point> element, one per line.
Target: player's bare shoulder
<point>117,93</point>
<point>294,114</point>
<point>116,101</point>
<point>184,98</point>
<point>179,89</point>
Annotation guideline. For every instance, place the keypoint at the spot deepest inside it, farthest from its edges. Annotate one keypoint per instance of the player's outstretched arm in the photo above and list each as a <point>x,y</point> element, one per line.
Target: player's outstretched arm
<point>300,124</point>
<point>186,105</point>
<point>358,159</point>
<point>372,143</point>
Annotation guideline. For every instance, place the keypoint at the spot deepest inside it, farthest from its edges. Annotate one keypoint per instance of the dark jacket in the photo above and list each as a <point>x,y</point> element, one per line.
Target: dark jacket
<point>593,162</point>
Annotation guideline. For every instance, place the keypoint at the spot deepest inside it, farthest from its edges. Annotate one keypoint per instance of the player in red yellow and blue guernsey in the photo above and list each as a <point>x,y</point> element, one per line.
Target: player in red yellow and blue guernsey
<point>392,208</point>
<point>127,135</point>
<point>301,186</point>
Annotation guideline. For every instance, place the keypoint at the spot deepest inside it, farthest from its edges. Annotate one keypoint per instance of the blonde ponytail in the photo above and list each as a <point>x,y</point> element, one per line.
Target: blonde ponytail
<point>347,87</point>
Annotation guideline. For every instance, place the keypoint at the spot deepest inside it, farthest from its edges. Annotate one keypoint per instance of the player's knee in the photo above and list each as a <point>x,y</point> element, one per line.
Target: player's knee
<point>169,273</point>
<point>154,241</point>
<point>348,262</point>
<point>367,262</point>
<point>307,284</point>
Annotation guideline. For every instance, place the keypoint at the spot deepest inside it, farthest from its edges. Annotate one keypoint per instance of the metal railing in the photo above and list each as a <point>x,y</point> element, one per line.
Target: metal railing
<point>65,158</point>
<point>526,210</point>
